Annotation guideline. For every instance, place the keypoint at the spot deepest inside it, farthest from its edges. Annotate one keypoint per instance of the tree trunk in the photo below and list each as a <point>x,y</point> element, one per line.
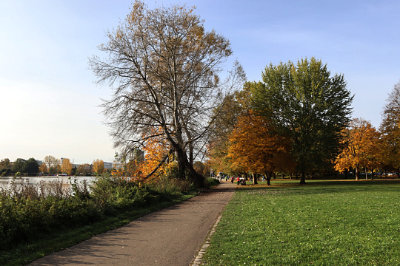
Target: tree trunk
<point>197,178</point>
<point>191,148</point>
<point>191,157</point>
<point>254,179</point>
<point>268,178</point>
<point>303,178</point>
<point>185,167</point>
<point>366,175</point>
<point>356,172</point>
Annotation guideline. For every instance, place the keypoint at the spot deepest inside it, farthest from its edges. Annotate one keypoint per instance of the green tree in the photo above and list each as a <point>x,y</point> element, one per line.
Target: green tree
<point>19,166</point>
<point>226,116</point>
<point>308,105</point>
<point>32,167</point>
<point>5,167</point>
<point>74,170</point>
<point>218,143</point>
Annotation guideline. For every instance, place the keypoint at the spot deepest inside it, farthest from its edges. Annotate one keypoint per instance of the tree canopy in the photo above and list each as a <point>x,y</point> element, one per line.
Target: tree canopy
<point>226,116</point>
<point>390,130</point>
<point>163,66</point>
<point>255,148</point>
<point>66,166</point>
<point>308,105</point>
<point>361,148</point>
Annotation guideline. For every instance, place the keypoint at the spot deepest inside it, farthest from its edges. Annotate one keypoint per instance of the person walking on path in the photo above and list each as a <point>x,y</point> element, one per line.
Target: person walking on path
<point>171,236</point>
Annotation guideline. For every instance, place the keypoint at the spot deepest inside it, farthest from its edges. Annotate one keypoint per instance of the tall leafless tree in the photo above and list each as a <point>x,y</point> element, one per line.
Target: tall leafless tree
<point>164,69</point>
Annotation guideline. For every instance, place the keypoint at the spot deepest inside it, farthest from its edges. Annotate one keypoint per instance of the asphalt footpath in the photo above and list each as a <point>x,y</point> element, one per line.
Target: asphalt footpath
<point>172,236</point>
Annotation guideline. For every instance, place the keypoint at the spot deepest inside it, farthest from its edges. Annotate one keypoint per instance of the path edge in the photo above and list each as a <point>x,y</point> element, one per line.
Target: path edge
<point>199,258</point>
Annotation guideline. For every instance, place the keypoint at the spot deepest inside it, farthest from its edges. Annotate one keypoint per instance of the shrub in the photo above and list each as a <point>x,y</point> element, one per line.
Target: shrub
<point>26,212</point>
<point>169,185</point>
<point>211,182</point>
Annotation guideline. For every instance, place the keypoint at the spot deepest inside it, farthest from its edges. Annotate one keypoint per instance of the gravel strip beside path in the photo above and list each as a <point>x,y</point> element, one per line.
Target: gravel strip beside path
<point>172,236</point>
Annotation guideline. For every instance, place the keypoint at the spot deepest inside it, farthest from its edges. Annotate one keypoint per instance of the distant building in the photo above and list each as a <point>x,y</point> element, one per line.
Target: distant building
<point>117,165</point>
<point>108,166</point>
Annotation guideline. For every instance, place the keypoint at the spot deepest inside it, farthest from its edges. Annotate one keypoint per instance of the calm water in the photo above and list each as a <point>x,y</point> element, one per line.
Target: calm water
<point>5,182</point>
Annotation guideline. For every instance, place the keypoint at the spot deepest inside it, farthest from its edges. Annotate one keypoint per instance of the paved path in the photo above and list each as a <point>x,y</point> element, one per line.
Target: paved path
<point>172,236</point>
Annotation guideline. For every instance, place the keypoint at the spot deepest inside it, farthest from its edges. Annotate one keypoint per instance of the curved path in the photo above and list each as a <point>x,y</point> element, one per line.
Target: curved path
<point>171,236</point>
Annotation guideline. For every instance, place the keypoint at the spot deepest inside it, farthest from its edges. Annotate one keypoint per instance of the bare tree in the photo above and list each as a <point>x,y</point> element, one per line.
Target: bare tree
<point>390,129</point>
<point>51,161</point>
<point>164,68</point>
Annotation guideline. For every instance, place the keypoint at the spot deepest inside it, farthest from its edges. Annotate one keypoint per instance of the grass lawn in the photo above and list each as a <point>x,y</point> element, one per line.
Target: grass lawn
<point>319,223</point>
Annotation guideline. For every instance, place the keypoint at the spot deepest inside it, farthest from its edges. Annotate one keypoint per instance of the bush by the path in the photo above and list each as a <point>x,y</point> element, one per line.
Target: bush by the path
<point>28,212</point>
<point>210,182</point>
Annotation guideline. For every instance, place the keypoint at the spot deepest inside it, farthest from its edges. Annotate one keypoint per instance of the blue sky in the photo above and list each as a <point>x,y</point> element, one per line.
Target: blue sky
<point>50,101</point>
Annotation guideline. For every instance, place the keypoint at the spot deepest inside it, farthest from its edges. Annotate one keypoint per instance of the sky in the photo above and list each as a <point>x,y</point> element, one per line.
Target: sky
<point>50,101</point>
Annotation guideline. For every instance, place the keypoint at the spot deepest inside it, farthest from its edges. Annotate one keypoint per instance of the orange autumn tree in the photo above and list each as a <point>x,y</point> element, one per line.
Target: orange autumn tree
<point>155,150</point>
<point>98,166</point>
<point>66,166</point>
<point>43,168</point>
<point>362,148</point>
<point>255,148</point>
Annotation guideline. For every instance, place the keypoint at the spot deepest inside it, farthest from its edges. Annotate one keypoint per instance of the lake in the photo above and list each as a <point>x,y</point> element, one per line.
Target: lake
<point>5,182</point>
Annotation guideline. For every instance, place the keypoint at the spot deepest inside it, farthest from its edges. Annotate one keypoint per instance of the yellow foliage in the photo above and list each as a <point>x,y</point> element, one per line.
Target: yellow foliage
<point>155,149</point>
<point>43,168</point>
<point>254,148</point>
<point>66,166</point>
<point>98,166</point>
<point>362,147</point>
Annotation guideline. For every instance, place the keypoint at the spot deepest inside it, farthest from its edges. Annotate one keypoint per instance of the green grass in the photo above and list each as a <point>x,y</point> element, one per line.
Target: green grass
<point>335,223</point>
<point>56,241</point>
